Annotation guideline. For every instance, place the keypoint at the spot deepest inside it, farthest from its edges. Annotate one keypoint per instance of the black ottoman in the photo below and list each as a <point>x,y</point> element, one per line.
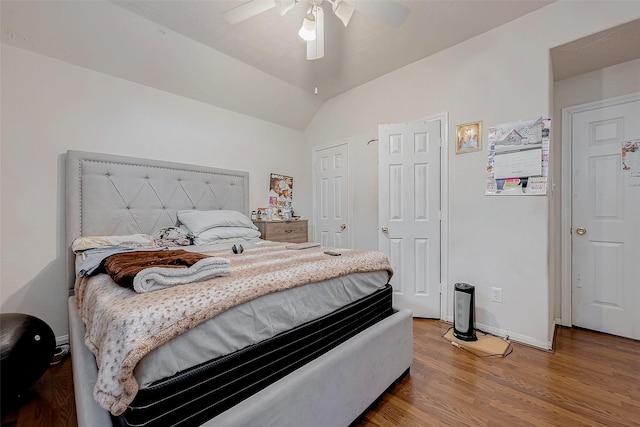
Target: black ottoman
<point>27,345</point>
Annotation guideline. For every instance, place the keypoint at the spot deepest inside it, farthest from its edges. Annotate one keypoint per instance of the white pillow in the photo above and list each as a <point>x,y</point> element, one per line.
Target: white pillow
<point>199,221</point>
<point>214,235</point>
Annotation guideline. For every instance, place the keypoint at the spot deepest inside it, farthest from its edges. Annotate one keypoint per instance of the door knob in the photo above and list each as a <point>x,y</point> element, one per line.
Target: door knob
<point>385,229</point>
<point>343,227</point>
<point>581,230</point>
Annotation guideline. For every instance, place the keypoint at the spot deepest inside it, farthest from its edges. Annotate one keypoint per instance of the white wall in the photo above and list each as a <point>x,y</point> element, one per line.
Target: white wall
<point>500,76</point>
<point>606,83</point>
<point>49,107</point>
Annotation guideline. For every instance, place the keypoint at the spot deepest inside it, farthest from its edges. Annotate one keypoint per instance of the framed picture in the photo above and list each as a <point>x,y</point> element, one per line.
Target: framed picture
<point>280,190</point>
<point>468,137</point>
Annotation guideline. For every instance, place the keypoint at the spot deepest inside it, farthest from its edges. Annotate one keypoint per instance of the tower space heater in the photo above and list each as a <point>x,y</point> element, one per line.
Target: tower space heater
<point>464,312</point>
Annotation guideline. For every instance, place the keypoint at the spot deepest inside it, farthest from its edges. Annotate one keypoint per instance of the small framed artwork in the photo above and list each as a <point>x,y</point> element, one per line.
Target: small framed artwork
<point>280,190</point>
<point>468,137</point>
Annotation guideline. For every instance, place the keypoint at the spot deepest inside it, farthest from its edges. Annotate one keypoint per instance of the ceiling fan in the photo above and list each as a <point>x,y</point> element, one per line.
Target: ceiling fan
<point>312,29</point>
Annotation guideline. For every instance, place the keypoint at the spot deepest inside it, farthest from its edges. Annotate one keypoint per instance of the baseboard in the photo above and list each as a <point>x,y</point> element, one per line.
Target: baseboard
<point>522,339</point>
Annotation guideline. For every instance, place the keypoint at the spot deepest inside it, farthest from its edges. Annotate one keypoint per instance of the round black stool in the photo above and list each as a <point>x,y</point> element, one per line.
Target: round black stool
<point>27,345</point>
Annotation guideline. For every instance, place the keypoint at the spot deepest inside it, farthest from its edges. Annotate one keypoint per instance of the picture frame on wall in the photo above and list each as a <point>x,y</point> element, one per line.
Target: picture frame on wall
<point>468,137</point>
<point>280,190</point>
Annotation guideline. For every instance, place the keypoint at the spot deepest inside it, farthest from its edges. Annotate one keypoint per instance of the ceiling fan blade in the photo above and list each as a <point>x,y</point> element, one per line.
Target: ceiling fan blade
<point>315,48</point>
<point>285,6</point>
<point>385,10</point>
<point>247,10</point>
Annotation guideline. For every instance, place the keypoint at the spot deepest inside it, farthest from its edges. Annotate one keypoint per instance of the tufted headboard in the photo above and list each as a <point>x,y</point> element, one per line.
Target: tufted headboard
<point>118,195</point>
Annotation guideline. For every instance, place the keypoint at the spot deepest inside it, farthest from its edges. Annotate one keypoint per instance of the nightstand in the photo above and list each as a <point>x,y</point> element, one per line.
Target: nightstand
<point>294,231</point>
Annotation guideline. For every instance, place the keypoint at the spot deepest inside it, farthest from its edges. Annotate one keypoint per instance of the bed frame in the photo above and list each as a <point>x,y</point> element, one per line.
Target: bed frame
<point>115,195</point>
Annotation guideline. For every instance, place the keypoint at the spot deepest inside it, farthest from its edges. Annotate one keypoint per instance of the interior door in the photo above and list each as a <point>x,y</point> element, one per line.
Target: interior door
<point>331,182</point>
<point>605,222</point>
<point>409,212</point>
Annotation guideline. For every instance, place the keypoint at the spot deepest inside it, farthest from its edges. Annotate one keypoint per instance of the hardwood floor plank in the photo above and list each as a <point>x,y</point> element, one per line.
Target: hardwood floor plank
<point>591,379</point>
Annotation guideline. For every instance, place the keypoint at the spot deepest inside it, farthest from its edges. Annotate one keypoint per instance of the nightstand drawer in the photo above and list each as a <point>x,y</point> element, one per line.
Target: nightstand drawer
<point>283,231</point>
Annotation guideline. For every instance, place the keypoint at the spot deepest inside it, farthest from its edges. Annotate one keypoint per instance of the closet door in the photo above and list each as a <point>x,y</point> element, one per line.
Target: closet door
<point>331,196</point>
<point>409,212</point>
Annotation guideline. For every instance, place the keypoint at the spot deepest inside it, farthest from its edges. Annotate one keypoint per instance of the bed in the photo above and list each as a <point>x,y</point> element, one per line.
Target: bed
<point>324,369</point>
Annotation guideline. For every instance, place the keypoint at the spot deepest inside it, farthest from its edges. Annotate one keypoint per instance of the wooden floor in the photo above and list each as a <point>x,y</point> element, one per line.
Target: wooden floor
<point>592,379</point>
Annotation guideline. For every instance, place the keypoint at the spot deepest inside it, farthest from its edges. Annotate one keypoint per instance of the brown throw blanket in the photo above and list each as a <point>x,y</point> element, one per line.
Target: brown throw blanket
<point>123,267</point>
<point>122,326</point>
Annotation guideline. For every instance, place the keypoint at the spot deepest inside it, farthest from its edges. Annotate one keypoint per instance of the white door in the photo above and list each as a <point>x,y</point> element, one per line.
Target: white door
<point>331,186</point>
<point>606,222</point>
<point>409,213</point>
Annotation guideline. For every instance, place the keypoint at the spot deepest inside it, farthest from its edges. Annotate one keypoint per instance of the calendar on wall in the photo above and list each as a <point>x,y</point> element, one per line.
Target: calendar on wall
<point>518,157</point>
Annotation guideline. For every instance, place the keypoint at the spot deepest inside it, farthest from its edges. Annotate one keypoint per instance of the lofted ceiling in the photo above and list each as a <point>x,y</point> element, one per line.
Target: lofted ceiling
<point>367,48</point>
<point>258,66</point>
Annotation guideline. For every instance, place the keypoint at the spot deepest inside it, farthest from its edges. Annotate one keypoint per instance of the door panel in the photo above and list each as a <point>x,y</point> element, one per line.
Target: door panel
<point>409,211</point>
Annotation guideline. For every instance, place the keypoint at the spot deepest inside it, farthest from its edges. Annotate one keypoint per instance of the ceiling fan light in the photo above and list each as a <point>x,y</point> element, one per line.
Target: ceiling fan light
<point>285,6</point>
<point>343,10</point>
<point>308,30</point>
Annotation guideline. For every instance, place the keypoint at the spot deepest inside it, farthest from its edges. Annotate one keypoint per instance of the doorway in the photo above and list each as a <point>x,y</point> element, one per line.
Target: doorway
<point>410,213</point>
<point>331,196</point>
<point>601,223</point>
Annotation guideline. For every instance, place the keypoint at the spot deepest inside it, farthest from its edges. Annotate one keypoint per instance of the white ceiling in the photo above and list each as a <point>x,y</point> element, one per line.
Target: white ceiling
<point>366,49</point>
<point>604,49</point>
<point>258,67</point>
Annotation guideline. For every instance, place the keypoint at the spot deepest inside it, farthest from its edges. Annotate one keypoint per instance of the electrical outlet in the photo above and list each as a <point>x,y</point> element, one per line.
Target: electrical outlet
<point>496,295</point>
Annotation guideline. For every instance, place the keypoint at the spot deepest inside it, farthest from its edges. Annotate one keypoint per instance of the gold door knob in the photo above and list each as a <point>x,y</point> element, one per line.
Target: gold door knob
<point>343,227</point>
<point>581,231</point>
<point>385,229</point>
